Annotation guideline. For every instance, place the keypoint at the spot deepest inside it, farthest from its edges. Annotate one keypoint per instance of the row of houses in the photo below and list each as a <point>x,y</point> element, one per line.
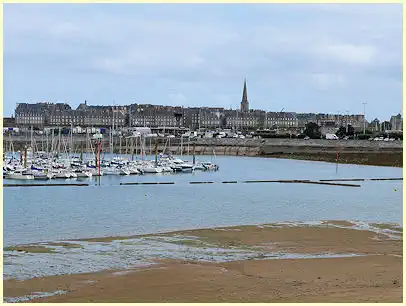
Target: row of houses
<point>148,115</point>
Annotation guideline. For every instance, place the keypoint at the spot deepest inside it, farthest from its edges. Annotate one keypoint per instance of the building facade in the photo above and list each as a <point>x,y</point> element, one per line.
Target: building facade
<point>397,122</point>
<point>148,115</point>
<point>194,118</point>
<point>281,120</point>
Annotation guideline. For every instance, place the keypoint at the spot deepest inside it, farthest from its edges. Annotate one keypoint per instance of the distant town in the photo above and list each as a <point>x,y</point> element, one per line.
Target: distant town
<point>44,115</point>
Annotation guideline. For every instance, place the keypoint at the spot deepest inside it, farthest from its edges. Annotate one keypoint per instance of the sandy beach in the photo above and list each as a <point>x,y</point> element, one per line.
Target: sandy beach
<point>334,261</point>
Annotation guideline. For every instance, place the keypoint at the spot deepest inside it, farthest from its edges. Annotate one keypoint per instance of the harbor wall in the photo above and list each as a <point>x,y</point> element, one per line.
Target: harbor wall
<point>224,146</point>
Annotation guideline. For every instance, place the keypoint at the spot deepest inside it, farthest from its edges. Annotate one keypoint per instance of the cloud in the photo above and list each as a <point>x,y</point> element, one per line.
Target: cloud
<point>326,81</point>
<point>177,98</point>
<point>196,53</point>
<point>349,53</point>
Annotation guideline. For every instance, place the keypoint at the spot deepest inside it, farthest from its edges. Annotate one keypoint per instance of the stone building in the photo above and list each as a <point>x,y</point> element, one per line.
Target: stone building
<point>240,120</point>
<point>374,125</point>
<point>35,115</point>
<point>331,121</point>
<point>211,117</point>
<point>397,122</point>
<point>155,115</point>
<point>96,115</point>
<point>60,115</point>
<point>9,122</point>
<point>192,118</point>
<point>281,120</point>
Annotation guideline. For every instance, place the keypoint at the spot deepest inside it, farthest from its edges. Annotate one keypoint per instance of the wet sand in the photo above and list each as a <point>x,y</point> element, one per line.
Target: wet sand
<point>375,276</point>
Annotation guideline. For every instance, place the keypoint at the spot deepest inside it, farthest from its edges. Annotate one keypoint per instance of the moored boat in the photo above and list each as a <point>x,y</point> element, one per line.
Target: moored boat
<point>19,175</point>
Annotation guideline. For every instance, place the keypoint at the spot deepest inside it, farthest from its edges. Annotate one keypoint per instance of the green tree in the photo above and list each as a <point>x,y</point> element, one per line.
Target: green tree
<point>350,130</point>
<point>341,132</point>
<point>312,130</point>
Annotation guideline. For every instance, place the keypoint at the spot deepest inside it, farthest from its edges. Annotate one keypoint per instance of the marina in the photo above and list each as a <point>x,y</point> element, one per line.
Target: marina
<point>56,164</point>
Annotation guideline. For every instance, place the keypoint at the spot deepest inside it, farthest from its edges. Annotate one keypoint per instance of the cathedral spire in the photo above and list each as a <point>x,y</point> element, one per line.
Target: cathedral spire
<point>244,102</point>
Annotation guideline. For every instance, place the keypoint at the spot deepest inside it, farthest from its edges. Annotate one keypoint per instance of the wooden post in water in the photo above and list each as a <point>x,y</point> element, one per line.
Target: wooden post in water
<point>336,161</point>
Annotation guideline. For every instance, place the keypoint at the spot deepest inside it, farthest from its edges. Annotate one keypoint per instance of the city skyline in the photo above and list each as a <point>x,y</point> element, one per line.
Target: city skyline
<point>170,55</point>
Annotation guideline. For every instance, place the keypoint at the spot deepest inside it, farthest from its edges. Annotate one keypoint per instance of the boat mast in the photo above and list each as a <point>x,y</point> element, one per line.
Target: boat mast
<point>71,138</point>
<point>32,141</point>
<point>59,140</point>
<point>181,145</point>
<point>194,153</point>
<point>47,144</point>
<point>25,156</point>
<point>133,147</point>
<point>81,151</point>
<point>87,140</point>
<point>156,151</point>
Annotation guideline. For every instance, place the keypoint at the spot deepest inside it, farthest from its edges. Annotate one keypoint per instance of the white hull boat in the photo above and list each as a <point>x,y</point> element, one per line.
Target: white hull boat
<point>187,168</point>
<point>42,176</point>
<point>152,170</point>
<point>125,172</point>
<point>111,171</point>
<point>95,172</point>
<point>19,176</point>
<point>83,174</point>
<point>61,175</point>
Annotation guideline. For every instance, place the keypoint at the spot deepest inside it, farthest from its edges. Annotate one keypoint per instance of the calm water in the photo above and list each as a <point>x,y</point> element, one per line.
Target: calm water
<point>37,214</point>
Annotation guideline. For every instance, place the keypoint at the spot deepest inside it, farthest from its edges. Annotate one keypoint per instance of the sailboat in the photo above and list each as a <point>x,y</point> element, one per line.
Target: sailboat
<point>19,175</point>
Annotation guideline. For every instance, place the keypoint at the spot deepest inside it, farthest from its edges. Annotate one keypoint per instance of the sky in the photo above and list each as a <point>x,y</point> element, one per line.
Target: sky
<point>321,58</point>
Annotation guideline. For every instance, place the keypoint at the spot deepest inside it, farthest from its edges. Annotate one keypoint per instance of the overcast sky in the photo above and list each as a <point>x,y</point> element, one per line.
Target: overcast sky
<point>304,58</point>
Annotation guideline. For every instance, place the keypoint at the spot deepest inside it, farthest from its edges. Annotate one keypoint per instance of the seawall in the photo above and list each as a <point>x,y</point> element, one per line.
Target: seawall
<point>388,153</point>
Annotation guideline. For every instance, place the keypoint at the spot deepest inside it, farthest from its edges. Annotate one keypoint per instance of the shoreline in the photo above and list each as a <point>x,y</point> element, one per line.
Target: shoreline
<point>239,256</point>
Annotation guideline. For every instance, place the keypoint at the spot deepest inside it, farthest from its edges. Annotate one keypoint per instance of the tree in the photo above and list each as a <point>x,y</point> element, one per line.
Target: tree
<point>341,132</point>
<point>351,130</point>
<point>312,130</point>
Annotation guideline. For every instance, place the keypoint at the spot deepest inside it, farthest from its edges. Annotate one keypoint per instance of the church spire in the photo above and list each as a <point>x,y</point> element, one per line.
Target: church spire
<point>244,102</point>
